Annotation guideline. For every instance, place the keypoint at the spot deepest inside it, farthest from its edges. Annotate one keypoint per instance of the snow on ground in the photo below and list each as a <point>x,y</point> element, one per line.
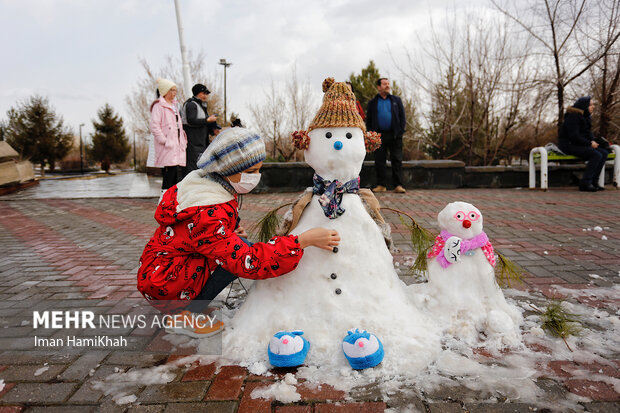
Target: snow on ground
<point>510,373</point>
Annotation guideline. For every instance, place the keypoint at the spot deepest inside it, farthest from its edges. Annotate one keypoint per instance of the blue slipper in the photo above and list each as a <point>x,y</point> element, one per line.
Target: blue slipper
<point>288,349</point>
<point>362,349</point>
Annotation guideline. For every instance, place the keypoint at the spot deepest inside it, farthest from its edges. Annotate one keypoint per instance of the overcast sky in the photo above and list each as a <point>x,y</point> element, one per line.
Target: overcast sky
<point>84,53</point>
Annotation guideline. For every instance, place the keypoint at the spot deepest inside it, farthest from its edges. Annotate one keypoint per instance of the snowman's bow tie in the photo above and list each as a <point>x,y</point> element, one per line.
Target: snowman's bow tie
<point>330,194</point>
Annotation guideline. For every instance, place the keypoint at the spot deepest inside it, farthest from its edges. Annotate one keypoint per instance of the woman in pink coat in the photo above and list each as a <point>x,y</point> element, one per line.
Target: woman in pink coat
<point>169,136</point>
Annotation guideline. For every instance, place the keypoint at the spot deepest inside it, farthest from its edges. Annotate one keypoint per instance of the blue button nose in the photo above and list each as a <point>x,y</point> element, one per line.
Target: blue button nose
<point>337,145</point>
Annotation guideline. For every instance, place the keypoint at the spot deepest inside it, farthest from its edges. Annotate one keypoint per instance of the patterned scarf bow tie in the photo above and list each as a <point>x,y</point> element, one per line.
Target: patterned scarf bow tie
<point>330,194</point>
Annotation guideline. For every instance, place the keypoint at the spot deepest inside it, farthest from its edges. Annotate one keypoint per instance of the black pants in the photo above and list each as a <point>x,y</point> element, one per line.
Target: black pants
<point>395,147</point>
<point>596,161</point>
<point>172,175</point>
<point>216,282</point>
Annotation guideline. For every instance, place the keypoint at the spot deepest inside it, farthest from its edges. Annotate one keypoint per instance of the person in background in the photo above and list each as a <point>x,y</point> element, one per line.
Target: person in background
<point>197,123</point>
<point>386,115</point>
<point>576,139</point>
<point>358,105</point>
<point>214,131</point>
<point>169,137</point>
<point>198,248</point>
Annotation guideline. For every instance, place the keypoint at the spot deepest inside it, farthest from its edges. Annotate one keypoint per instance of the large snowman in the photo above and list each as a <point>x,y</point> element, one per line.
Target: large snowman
<point>461,291</point>
<point>356,286</point>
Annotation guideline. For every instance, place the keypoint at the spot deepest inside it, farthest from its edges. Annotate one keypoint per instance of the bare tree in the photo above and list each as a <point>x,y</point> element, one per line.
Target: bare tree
<point>554,25</point>
<point>599,33</point>
<point>143,94</point>
<point>483,86</point>
<point>286,107</point>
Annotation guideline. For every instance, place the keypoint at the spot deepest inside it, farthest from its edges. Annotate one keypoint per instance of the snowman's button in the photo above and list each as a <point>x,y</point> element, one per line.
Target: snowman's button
<point>338,291</point>
<point>335,250</point>
<point>337,145</point>
<point>334,276</point>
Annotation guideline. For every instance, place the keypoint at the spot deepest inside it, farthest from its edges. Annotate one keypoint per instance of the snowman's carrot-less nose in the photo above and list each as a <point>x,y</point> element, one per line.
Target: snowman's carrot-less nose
<point>466,223</point>
<point>337,145</point>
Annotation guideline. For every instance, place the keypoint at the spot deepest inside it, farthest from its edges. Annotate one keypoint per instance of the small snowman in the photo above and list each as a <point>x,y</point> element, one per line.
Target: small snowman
<point>461,288</point>
<point>354,286</point>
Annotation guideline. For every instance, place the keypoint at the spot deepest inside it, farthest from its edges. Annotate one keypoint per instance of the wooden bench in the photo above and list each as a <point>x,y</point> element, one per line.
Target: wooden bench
<point>540,155</point>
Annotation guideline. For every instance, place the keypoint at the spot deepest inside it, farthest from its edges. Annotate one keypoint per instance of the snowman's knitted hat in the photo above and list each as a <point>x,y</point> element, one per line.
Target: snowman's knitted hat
<point>338,109</point>
<point>233,151</point>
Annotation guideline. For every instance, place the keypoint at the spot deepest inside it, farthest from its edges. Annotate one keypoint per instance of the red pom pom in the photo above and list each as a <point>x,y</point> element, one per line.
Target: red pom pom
<point>372,141</point>
<point>301,140</point>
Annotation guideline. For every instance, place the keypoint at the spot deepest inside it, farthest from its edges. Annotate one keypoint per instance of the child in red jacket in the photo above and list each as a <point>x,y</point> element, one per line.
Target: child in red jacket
<point>197,250</point>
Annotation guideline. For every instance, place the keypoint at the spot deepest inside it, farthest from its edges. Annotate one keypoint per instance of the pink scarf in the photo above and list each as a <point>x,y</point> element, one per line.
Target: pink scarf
<point>479,241</point>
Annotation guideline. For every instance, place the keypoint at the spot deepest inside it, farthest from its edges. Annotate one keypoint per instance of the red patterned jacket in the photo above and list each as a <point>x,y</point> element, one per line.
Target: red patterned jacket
<point>191,243</point>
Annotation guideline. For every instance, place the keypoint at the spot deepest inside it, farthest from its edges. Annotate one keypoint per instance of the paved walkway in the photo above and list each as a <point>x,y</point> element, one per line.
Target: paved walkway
<point>64,246</point>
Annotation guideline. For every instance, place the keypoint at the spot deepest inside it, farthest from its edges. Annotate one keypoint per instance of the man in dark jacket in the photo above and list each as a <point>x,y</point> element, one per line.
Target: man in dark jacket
<point>197,124</point>
<point>576,139</point>
<point>385,114</point>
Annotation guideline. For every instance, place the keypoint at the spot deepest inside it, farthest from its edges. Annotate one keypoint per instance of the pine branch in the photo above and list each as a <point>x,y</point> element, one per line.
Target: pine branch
<point>558,322</point>
<point>508,270</point>
<point>421,240</point>
<point>266,227</point>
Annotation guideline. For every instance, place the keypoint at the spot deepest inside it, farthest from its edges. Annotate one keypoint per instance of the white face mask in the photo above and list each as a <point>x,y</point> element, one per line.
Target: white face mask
<point>246,183</point>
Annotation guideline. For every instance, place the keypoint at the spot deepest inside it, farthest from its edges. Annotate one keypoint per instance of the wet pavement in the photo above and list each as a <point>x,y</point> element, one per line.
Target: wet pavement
<point>75,243</point>
<point>118,185</point>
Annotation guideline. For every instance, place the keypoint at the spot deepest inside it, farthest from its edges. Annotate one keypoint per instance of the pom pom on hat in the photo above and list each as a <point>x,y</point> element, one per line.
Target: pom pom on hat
<point>164,86</point>
<point>372,141</point>
<point>338,109</point>
<point>327,83</point>
<point>233,151</point>
<point>301,140</point>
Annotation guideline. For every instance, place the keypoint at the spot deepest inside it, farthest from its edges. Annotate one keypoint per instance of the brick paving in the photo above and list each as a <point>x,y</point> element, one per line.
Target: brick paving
<point>84,251</point>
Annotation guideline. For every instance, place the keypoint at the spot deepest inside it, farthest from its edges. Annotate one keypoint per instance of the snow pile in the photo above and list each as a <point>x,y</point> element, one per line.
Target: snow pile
<point>119,385</point>
<point>283,391</point>
<point>42,370</point>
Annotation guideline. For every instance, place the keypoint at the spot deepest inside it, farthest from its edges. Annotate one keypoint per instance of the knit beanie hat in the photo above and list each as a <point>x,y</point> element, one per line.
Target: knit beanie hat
<point>164,86</point>
<point>338,109</point>
<point>233,151</point>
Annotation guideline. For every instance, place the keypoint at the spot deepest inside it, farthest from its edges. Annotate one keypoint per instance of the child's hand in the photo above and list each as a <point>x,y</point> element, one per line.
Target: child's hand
<point>241,232</point>
<point>322,238</point>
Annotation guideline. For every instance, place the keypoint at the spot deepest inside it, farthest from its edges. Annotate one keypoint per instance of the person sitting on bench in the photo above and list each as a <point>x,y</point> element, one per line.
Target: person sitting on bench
<point>576,139</point>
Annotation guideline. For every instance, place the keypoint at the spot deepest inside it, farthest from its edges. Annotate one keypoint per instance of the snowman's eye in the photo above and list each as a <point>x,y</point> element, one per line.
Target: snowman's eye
<point>348,135</point>
<point>328,135</point>
<point>459,215</point>
<point>473,215</point>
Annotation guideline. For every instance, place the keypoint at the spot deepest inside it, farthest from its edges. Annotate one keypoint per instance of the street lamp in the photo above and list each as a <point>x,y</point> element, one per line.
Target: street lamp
<point>224,63</point>
<point>81,158</point>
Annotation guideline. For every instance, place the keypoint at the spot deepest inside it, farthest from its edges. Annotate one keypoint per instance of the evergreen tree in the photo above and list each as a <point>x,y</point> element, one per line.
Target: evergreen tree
<point>365,84</point>
<point>2,131</point>
<point>110,143</point>
<point>37,133</point>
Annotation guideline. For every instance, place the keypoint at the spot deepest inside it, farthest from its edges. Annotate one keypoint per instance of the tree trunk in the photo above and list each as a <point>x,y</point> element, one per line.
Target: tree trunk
<point>560,105</point>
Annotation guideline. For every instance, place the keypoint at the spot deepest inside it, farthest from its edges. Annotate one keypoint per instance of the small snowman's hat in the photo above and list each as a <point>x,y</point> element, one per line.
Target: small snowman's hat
<point>338,110</point>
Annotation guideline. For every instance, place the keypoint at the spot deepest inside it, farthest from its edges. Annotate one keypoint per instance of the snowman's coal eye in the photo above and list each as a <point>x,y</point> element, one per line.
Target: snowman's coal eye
<point>459,215</point>
<point>348,135</point>
<point>328,135</point>
<point>473,215</point>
